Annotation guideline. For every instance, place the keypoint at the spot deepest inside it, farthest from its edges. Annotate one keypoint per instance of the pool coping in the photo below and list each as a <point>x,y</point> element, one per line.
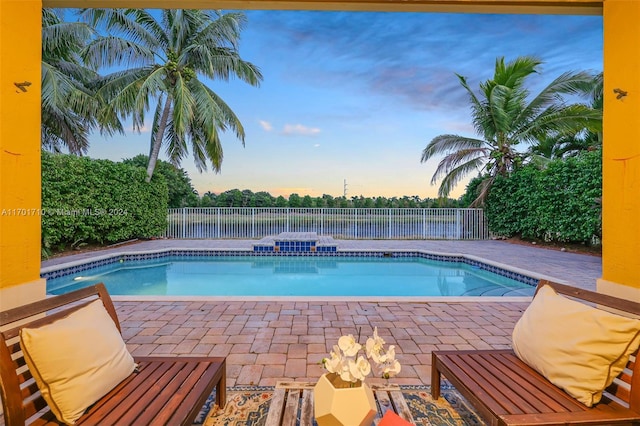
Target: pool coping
<point>518,274</point>
<point>325,299</point>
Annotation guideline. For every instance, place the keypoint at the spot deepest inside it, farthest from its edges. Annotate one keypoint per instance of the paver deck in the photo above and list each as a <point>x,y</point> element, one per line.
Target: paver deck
<point>267,342</point>
<point>270,341</point>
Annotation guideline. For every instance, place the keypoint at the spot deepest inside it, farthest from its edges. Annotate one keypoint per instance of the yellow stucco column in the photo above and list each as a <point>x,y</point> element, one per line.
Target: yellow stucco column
<point>20,40</point>
<point>621,150</point>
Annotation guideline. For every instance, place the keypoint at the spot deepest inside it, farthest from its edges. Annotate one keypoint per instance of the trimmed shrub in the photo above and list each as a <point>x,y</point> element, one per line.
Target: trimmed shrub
<point>98,201</point>
<point>470,192</point>
<point>511,204</point>
<point>559,203</point>
<point>181,192</point>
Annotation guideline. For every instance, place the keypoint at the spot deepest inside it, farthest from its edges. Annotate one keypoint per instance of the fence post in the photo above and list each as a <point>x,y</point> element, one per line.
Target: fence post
<point>288,217</point>
<point>167,232</point>
<point>253,223</point>
<point>483,226</point>
<point>184,222</point>
<point>355,218</point>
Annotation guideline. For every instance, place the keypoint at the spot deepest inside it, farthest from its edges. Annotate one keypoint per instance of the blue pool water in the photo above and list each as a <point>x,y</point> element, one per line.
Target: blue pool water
<point>293,276</point>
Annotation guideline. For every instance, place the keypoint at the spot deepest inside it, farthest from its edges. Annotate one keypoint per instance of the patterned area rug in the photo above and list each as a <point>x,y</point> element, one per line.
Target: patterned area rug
<point>249,405</point>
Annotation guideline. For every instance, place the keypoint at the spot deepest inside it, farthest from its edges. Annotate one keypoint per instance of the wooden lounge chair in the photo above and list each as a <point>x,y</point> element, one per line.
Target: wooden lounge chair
<point>163,390</point>
<point>506,391</point>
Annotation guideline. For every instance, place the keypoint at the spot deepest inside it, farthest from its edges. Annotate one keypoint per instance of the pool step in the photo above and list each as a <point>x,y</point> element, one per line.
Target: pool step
<point>296,242</point>
<point>498,290</point>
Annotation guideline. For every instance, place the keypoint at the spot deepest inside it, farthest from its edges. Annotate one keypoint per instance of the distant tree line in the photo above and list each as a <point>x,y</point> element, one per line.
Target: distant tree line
<point>182,194</point>
<point>248,198</point>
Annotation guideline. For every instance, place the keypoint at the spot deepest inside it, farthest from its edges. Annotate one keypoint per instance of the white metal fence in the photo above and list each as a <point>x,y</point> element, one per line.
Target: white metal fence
<point>352,223</point>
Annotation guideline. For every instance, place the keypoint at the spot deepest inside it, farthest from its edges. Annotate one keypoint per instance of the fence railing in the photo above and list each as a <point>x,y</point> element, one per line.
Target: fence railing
<point>350,223</point>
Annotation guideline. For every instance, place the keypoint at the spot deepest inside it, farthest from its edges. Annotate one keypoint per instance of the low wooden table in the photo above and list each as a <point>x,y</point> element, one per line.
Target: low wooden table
<point>291,399</point>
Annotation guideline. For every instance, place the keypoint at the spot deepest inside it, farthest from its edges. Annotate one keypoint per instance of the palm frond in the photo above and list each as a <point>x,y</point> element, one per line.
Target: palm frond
<point>126,23</point>
<point>566,83</point>
<point>222,30</point>
<point>64,40</point>
<point>213,148</point>
<point>221,63</point>
<point>213,112</point>
<point>206,147</point>
<point>456,174</point>
<point>183,106</point>
<point>455,159</point>
<point>181,28</point>
<point>110,51</point>
<point>572,83</point>
<point>501,109</point>
<point>445,144</point>
<point>514,73</point>
<point>175,144</point>
<point>69,107</point>
<point>567,120</point>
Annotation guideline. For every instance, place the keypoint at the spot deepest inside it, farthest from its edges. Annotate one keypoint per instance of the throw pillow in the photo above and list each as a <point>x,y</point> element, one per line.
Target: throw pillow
<point>577,347</point>
<point>76,360</point>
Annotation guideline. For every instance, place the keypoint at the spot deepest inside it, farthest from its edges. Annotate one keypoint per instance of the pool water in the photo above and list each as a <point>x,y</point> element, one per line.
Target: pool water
<point>293,276</point>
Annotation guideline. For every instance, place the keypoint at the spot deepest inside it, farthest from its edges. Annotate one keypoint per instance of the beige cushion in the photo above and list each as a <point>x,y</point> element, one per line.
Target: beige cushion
<point>579,348</point>
<point>76,360</point>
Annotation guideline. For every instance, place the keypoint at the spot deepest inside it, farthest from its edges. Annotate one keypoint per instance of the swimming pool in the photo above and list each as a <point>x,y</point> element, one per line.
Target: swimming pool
<point>386,274</point>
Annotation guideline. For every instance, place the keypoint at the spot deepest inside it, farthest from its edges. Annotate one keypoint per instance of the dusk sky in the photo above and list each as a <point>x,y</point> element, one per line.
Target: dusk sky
<point>358,95</point>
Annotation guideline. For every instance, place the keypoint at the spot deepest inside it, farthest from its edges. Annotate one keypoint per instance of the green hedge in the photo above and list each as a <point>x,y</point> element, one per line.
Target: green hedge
<point>98,201</point>
<point>181,192</point>
<point>558,203</point>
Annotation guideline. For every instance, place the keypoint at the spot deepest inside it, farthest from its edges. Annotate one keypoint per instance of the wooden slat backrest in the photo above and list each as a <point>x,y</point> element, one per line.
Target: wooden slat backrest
<point>628,306</point>
<point>20,404</point>
<point>627,385</point>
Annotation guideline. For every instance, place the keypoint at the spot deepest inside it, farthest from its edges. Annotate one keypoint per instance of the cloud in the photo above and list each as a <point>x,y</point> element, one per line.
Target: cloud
<point>459,128</point>
<point>299,129</point>
<point>142,129</point>
<point>266,126</point>
<point>413,57</point>
<point>316,145</point>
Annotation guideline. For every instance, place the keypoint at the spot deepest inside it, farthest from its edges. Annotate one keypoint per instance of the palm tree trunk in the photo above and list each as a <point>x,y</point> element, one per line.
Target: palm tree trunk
<point>157,143</point>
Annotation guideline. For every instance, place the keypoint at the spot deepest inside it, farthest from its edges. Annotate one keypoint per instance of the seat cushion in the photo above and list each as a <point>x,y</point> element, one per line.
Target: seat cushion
<point>76,360</point>
<point>577,347</point>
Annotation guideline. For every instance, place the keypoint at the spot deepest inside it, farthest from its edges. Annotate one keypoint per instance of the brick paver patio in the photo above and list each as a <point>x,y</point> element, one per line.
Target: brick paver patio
<point>265,342</point>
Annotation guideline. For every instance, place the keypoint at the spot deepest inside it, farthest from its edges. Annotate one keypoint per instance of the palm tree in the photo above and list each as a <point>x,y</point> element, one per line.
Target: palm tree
<point>166,59</point>
<point>504,115</point>
<point>69,108</point>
